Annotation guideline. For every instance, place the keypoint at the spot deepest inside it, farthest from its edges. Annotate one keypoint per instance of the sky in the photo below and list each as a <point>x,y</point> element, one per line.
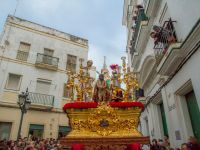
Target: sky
<point>99,21</point>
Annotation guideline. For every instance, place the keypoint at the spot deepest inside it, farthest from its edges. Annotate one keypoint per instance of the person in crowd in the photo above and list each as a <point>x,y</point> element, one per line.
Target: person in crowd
<point>30,144</point>
<point>185,146</point>
<point>193,143</point>
<point>155,145</point>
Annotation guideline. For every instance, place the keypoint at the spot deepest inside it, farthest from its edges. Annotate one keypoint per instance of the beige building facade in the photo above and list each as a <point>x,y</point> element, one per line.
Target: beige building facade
<point>36,57</point>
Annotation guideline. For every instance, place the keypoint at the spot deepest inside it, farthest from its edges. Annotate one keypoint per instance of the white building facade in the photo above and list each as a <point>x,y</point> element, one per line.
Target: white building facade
<point>36,57</point>
<point>163,48</point>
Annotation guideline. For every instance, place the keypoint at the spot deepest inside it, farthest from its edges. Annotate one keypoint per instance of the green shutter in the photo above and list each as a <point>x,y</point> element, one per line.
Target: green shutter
<point>64,129</point>
<point>164,122</point>
<point>36,127</point>
<point>194,113</point>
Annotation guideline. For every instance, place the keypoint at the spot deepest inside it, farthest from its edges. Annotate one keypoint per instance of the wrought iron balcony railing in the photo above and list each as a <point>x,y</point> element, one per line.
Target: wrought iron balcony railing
<point>163,37</point>
<point>47,61</point>
<point>140,17</point>
<point>41,99</point>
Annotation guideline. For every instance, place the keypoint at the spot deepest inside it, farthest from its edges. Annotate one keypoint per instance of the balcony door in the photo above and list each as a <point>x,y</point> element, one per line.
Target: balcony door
<point>48,56</point>
<point>194,113</point>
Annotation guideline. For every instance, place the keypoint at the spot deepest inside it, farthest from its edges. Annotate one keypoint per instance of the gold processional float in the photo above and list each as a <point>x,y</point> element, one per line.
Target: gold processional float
<point>103,115</point>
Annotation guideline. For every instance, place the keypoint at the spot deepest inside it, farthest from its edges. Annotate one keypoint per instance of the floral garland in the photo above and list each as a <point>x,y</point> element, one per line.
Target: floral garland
<point>82,105</point>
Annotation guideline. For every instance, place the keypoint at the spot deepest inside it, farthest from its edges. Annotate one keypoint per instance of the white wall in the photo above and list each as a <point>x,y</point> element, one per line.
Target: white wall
<point>29,72</point>
<point>190,71</point>
<point>186,13</point>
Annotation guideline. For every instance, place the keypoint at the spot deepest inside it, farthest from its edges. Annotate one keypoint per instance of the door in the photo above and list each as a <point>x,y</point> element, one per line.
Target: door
<point>48,56</point>
<point>194,113</point>
<point>164,122</point>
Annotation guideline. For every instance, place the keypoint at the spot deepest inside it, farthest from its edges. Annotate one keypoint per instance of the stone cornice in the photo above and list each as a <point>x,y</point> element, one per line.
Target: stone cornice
<point>46,31</point>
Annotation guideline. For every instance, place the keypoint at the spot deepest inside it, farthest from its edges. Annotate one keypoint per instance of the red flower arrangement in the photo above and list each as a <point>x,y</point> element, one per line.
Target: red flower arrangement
<point>114,66</point>
<point>126,104</point>
<point>80,105</point>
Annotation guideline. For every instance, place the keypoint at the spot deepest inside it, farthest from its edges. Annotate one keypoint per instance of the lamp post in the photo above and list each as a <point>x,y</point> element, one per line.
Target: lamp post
<point>24,104</point>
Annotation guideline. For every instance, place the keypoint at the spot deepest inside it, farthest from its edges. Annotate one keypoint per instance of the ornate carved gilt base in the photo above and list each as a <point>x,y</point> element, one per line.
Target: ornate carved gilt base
<point>104,121</point>
<point>105,143</point>
<point>104,127</point>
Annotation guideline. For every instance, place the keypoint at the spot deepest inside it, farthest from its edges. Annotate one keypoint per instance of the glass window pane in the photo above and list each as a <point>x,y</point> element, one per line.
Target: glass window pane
<point>71,63</point>
<point>13,82</point>
<point>24,47</point>
<point>43,86</point>
<point>5,129</point>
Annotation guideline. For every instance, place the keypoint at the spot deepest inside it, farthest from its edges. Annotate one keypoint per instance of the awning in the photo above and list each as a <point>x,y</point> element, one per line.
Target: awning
<point>36,127</point>
<point>64,129</point>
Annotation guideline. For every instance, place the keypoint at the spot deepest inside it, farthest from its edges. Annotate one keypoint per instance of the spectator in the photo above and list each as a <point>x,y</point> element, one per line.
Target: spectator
<point>30,144</point>
<point>193,143</point>
<point>185,146</point>
<point>1,145</point>
<point>155,145</point>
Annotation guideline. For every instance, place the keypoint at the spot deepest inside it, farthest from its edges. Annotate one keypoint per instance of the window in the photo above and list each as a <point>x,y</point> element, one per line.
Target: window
<point>23,51</point>
<point>43,86</point>
<point>5,129</point>
<point>48,52</point>
<point>13,82</point>
<point>67,92</point>
<point>71,63</point>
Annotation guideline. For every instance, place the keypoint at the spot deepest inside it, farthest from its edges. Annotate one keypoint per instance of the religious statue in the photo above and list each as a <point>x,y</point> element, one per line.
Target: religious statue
<point>100,89</point>
<point>116,75</point>
<point>88,82</point>
<point>107,79</point>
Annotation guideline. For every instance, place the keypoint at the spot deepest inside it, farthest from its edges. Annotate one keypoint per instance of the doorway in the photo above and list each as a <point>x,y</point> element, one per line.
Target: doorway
<point>164,121</point>
<point>194,113</point>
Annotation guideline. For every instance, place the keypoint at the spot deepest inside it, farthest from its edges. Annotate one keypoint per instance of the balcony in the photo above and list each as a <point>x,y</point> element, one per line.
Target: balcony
<point>47,62</point>
<point>141,20</point>
<point>166,47</point>
<point>163,37</point>
<point>41,101</point>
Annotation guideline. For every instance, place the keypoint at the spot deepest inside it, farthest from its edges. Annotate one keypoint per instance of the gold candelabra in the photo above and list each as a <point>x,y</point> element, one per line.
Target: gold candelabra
<point>129,80</point>
<point>83,86</point>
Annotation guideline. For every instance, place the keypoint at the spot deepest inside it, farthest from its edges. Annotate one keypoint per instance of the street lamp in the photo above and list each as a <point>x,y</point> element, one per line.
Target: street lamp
<point>24,104</point>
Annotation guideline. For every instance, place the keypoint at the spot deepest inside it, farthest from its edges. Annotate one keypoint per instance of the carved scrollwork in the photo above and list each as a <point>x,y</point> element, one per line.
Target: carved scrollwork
<point>104,121</point>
